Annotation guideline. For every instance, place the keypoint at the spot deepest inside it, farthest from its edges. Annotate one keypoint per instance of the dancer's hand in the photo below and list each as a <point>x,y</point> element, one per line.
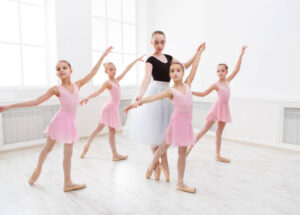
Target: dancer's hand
<point>84,101</point>
<point>138,98</point>
<point>3,108</point>
<point>140,103</point>
<point>141,58</point>
<point>108,50</point>
<point>201,47</point>
<point>129,107</point>
<point>244,49</point>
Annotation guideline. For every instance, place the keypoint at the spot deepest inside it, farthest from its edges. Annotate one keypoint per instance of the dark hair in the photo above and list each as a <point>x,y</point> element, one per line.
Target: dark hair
<point>223,64</point>
<point>158,32</point>
<point>177,63</point>
<point>65,61</point>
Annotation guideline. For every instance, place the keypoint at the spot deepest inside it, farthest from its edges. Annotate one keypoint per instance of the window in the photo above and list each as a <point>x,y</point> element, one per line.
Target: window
<point>114,23</point>
<point>23,43</point>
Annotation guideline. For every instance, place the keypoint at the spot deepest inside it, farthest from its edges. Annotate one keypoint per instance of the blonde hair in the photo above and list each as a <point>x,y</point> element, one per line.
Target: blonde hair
<point>107,64</point>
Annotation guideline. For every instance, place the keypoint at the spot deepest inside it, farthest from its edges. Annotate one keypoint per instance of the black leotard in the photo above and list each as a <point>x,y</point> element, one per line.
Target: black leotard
<point>160,71</point>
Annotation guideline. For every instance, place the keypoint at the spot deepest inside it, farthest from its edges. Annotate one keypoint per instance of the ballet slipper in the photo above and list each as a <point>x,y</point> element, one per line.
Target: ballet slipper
<point>119,157</point>
<point>222,159</point>
<point>189,151</point>
<point>185,188</point>
<point>69,186</point>
<point>35,175</point>
<point>85,150</point>
<point>149,173</point>
<point>167,174</point>
<point>157,172</point>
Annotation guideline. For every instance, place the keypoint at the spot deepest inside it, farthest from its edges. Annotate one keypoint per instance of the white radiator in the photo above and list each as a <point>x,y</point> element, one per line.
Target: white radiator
<point>291,125</point>
<point>200,111</point>
<point>25,124</point>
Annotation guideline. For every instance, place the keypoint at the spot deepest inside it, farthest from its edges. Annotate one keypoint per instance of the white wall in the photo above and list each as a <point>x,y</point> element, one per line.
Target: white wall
<point>270,28</point>
<point>269,78</point>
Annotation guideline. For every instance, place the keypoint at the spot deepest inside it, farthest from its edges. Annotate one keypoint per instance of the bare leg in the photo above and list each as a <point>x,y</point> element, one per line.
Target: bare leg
<point>205,129</point>
<point>156,169</point>
<point>165,166</point>
<point>69,186</point>
<point>161,150</point>
<point>219,132</point>
<point>112,142</point>
<point>43,155</point>
<point>180,168</point>
<point>91,138</point>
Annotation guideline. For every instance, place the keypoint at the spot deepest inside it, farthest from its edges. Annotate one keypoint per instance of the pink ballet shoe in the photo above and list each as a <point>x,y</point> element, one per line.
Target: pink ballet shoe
<point>120,157</point>
<point>166,173</point>
<point>222,159</point>
<point>185,188</point>
<point>69,186</point>
<point>149,173</point>
<point>34,177</point>
<point>157,172</point>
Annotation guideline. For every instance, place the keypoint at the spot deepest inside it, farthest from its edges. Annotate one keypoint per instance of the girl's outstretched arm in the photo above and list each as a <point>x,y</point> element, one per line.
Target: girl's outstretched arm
<point>104,86</point>
<point>206,92</point>
<point>192,74</point>
<point>162,95</point>
<point>120,77</point>
<point>95,69</point>
<point>238,65</point>
<point>148,99</point>
<point>50,92</point>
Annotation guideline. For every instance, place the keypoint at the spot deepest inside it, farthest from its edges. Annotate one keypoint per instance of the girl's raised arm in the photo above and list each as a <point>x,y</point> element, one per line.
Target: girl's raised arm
<point>192,74</point>
<point>238,65</point>
<point>206,92</point>
<point>148,99</point>
<point>120,77</point>
<point>50,92</point>
<point>95,69</point>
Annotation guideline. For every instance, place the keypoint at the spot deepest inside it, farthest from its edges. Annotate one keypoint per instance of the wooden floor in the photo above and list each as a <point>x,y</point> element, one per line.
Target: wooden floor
<point>258,181</point>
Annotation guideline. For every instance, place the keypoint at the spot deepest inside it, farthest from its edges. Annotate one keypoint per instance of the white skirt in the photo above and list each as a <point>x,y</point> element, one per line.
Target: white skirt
<point>147,123</point>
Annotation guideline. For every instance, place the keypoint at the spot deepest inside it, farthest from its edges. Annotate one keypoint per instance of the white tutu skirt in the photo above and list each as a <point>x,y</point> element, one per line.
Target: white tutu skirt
<point>147,123</point>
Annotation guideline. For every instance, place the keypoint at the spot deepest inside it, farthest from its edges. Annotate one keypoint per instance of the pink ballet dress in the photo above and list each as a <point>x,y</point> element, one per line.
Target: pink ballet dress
<point>62,127</point>
<point>110,114</point>
<point>180,131</point>
<point>220,110</point>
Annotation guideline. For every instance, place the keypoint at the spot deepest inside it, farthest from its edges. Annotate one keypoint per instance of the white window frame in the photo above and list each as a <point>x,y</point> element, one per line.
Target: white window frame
<point>122,53</point>
<point>21,44</point>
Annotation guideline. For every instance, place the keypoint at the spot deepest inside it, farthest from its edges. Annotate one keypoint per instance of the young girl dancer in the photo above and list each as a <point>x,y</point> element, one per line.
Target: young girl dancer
<point>62,127</point>
<point>220,111</point>
<point>179,131</point>
<point>147,124</point>
<point>110,115</point>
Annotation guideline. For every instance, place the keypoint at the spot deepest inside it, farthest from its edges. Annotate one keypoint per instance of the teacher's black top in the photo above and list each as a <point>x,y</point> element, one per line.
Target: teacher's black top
<point>160,70</point>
